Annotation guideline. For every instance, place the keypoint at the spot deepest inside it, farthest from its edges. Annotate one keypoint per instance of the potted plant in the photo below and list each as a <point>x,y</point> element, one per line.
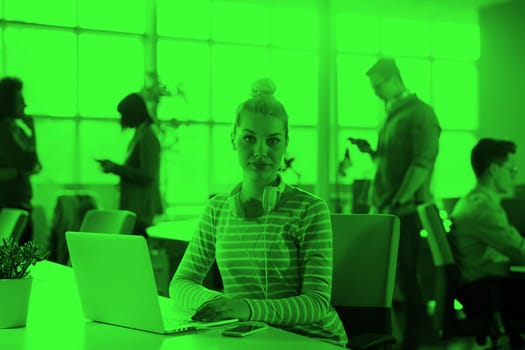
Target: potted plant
<point>15,282</point>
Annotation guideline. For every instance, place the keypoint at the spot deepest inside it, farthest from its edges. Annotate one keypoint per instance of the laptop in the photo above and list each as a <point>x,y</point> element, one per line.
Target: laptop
<point>116,285</point>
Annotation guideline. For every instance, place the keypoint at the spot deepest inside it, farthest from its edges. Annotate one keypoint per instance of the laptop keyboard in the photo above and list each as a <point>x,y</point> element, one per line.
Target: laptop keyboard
<point>178,324</point>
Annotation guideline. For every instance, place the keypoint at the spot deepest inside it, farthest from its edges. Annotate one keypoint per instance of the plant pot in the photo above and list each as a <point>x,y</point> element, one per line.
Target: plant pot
<point>14,300</point>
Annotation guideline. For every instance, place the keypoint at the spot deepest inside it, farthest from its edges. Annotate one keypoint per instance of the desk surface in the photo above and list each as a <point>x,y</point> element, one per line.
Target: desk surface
<point>55,321</point>
<point>181,230</point>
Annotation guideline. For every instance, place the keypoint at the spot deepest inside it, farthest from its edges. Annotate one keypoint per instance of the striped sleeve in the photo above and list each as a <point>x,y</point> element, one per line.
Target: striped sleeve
<point>313,302</point>
<point>186,286</point>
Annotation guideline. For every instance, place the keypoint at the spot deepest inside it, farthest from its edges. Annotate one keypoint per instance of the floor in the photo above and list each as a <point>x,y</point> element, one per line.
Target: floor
<point>432,342</point>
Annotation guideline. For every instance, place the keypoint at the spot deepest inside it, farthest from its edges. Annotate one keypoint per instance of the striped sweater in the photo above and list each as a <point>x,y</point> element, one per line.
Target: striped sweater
<point>298,238</point>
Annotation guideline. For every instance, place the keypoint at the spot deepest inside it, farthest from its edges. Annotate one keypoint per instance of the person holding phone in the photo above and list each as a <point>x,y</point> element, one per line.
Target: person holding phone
<point>18,154</point>
<point>272,241</point>
<point>139,175</point>
<point>405,156</point>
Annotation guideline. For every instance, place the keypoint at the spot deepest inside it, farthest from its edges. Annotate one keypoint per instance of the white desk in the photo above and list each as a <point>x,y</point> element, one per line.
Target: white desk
<point>181,230</point>
<point>55,321</point>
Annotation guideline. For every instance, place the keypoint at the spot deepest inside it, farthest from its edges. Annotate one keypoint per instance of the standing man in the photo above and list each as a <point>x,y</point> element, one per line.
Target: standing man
<point>405,156</point>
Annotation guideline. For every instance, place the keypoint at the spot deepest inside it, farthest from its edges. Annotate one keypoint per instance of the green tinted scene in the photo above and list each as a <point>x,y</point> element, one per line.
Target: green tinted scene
<point>207,54</point>
<point>190,66</point>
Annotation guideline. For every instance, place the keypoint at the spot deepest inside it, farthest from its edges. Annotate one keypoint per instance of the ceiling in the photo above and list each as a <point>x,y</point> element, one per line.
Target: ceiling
<point>461,11</point>
<point>458,11</point>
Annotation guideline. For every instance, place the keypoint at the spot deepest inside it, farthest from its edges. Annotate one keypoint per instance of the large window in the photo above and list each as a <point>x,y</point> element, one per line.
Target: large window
<point>77,62</point>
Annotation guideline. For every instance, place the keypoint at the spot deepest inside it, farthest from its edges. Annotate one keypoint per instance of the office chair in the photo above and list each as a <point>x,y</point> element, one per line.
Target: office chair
<point>108,221</point>
<point>449,203</point>
<point>365,256</point>
<point>12,223</point>
<point>445,321</point>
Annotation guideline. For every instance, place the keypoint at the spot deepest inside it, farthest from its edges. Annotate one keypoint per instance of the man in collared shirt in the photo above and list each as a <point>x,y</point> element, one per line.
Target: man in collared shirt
<point>483,241</point>
<point>405,156</point>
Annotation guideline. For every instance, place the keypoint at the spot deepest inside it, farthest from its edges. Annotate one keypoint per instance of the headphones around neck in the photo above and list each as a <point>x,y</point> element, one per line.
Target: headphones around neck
<point>270,198</point>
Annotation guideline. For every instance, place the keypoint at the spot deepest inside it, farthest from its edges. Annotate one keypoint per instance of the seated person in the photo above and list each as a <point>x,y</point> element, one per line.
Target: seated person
<point>485,244</point>
<point>272,241</point>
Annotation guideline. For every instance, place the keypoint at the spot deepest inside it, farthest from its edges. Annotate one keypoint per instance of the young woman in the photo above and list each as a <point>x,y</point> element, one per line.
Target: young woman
<point>139,175</point>
<point>272,241</point>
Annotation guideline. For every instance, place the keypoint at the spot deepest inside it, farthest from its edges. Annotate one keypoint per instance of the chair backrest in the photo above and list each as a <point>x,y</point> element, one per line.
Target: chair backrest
<point>449,203</point>
<point>446,272</point>
<point>445,322</point>
<point>436,234</point>
<point>12,223</point>
<point>365,256</point>
<point>108,221</point>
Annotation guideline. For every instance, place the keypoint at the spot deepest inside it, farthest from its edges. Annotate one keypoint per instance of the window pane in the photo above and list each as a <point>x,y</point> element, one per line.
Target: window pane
<point>416,76</point>
<point>234,69</point>
<point>453,175</point>
<point>118,15</point>
<point>357,104</point>
<point>186,164</point>
<point>294,28</point>
<point>45,60</point>
<point>188,19</point>
<point>401,37</point>
<point>295,74</point>
<point>58,12</point>
<point>303,147</point>
<point>359,34</point>
<point>185,65</point>
<point>110,68</point>
<point>55,146</point>
<point>456,94</point>
<point>243,23</point>
<point>458,41</point>
<point>100,140</point>
<point>225,170</point>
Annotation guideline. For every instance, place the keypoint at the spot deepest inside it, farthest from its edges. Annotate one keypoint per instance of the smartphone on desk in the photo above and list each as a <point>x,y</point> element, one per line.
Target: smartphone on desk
<point>243,330</point>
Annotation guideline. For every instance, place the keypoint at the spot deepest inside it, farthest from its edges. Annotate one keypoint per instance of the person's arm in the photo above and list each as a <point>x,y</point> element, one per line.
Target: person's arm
<point>412,181</point>
<point>18,151</point>
<point>364,147</point>
<point>186,286</point>
<point>313,301</point>
<point>425,145</point>
<point>149,153</point>
<point>495,231</point>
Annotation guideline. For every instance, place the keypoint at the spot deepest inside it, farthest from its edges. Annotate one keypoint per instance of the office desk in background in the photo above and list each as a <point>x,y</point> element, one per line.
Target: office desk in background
<point>56,321</point>
<point>167,242</point>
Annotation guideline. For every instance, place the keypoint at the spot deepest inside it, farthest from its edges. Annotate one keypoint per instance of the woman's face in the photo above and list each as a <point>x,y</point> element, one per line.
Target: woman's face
<point>260,143</point>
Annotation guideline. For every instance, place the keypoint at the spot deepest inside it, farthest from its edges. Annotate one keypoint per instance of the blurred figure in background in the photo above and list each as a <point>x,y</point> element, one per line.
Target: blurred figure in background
<point>18,155</point>
<point>405,156</point>
<point>139,175</point>
<point>485,244</point>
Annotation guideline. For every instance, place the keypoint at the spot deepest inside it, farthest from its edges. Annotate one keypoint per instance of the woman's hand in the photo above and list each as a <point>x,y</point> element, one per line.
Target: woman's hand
<point>222,308</point>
